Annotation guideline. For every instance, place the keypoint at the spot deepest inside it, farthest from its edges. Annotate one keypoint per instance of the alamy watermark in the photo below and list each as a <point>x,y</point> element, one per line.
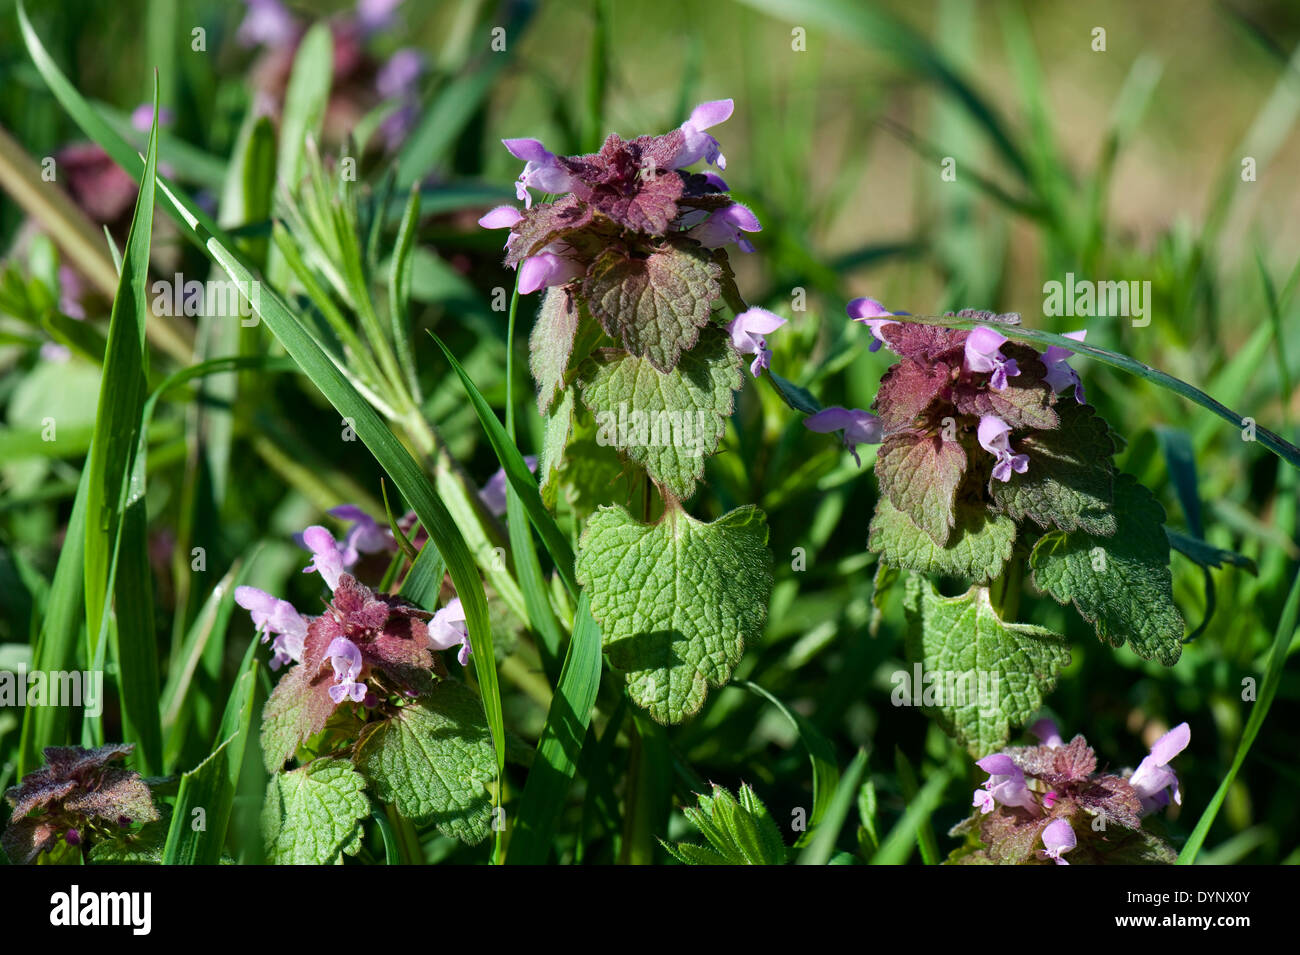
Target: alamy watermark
<point>217,297</point>
<point>692,431</point>
<point>1088,299</point>
<point>947,688</point>
<point>73,688</point>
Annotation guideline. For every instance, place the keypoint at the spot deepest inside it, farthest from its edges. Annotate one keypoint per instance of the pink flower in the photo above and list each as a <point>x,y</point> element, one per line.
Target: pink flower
<point>982,354</point>
<point>747,330</point>
<point>697,144</point>
<point>447,628</point>
<point>872,314</point>
<point>1047,732</point>
<point>1005,785</point>
<point>267,23</point>
<point>543,170</point>
<point>993,437</point>
<point>725,226</point>
<point>1059,374</point>
<point>328,557</point>
<point>1153,777</point>
<point>1058,837</point>
<point>547,268</point>
<point>365,536</point>
<point>273,616</point>
<point>859,427</point>
<point>345,657</point>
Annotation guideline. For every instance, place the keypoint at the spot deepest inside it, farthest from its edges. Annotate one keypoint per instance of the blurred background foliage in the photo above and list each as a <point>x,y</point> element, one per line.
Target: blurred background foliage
<point>1124,164</point>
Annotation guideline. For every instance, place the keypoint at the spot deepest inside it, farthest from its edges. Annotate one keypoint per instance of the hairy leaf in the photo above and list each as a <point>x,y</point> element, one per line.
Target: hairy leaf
<point>313,814</point>
<point>1122,583</point>
<point>666,422</point>
<point>978,547</point>
<point>434,761</point>
<point>919,474</point>
<point>1068,485</point>
<point>551,343</point>
<point>677,601</point>
<point>984,675</point>
<point>656,305</point>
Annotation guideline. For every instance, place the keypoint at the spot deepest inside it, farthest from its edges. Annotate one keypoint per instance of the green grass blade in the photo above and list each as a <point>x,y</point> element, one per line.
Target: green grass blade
<point>60,638</point>
<point>207,793</point>
<point>822,846</point>
<point>1286,630</point>
<point>115,560</point>
<point>560,745</point>
<point>898,844</point>
<point>925,839</point>
<point>425,577</point>
<point>825,771</point>
<point>519,478</point>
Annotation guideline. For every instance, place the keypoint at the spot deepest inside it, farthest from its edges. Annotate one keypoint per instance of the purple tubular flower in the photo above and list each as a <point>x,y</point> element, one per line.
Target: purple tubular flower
<point>993,437</point>
<point>716,181</point>
<point>872,314</point>
<point>1058,838</point>
<point>447,628</point>
<point>1047,733</point>
<point>502,217</point>
<point>271,615</point>
<point>1059,374</point>
<point>365,536</point>
<point>747,330</point>
<point>493,494</point>
<point>697,144</point>
<point>1153,778</point>
<point>400,74</point>
<point>267,23</point>
<point>542,170</point>
<point>725,227</point>
<point>345,657</point>
<point>547,268</point>
<point>328,558</point>
<point>859,427</point>
<point>982,354</point>
<point>1005,785</point>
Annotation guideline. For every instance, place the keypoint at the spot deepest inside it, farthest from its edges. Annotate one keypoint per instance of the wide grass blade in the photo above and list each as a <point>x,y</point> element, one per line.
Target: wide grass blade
<point>60,638</point>
<point>560,745</point>
<point>825,771</point>
<point>207,793</point>
<point>898,844</point>
<point>822,846</point>
<point>115,561</point>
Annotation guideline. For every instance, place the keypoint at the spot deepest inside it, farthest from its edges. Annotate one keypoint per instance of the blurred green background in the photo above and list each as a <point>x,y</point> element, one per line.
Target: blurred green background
<point>1124,164</point>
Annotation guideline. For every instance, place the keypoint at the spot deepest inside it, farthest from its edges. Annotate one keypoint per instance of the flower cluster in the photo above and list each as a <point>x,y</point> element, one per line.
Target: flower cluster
<point>972,379</point>
<point>1042,803</point>
<point>635,233</point>
<point>79,795</point>
<point>366,648</point>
